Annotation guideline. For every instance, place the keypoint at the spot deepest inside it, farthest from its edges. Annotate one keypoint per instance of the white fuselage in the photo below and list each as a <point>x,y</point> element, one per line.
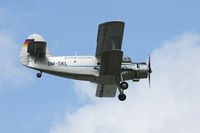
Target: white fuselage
<point>78,67</point>
<point>75,67</point>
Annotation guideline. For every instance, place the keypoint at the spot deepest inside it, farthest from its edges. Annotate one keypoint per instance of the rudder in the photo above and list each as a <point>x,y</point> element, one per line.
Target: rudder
<point>34,47</point>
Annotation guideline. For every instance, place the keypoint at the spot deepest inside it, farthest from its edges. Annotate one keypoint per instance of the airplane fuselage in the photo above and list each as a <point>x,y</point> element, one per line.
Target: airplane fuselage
<point>81,67</point>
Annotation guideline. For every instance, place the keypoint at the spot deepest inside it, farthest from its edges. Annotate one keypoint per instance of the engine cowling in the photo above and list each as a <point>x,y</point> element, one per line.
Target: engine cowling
<point>135,72</point>
<point>141,71</point>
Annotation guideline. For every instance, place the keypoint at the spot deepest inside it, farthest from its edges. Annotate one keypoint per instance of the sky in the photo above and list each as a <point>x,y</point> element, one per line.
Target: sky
<point>167,30</point>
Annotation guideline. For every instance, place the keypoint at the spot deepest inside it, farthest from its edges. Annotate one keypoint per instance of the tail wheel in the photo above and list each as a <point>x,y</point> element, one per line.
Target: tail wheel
<point>124,85</point>
<point>122,97</point>
<point>39,75</point>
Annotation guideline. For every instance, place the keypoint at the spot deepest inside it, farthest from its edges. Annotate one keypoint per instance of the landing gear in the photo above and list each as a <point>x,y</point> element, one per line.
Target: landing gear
<point>39,75</point>
<point>122,97</point>
<point>124,85</point>
<point>121,87</point>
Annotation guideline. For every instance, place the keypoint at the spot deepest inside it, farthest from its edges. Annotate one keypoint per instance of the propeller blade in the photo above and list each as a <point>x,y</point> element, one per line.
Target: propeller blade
<point>149,64</point>
<point>149,71</point>
<point>149,60</point>
<point>149,80</point>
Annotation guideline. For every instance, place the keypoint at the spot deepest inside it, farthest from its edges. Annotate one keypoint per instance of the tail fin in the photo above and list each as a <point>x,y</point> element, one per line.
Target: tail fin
<point>34,46</point>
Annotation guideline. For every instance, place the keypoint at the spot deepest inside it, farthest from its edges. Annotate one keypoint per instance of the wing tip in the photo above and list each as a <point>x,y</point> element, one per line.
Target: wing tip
<point>113,21</point>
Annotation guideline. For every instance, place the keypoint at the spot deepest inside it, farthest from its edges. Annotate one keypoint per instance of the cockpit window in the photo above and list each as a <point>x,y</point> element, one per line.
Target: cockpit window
<point>126,59</point>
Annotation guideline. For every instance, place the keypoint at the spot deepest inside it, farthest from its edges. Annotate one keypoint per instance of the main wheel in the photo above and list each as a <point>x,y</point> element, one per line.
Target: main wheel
<point>124,85</point>
<point>122,97</point>
<point>39,75</point>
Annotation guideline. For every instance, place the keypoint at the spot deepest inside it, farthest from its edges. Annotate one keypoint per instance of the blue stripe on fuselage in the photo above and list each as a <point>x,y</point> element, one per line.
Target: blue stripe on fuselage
<point>95,66</point>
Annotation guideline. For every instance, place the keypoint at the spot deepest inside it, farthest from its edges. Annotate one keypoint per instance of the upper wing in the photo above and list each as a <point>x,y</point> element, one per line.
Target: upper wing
<point>109,37</point>
<point>109,73</point>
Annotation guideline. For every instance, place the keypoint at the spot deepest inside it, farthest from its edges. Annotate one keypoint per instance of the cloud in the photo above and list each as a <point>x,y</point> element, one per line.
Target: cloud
<point>85,91</point>
<point>12,75</point>
<point>170,105</point>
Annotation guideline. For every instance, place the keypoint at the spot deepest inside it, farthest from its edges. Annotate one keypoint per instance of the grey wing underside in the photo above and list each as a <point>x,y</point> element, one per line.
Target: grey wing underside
<point>108,52</point>
<point>109,73</point>
<point>110,35</point>
<point>106,90</point>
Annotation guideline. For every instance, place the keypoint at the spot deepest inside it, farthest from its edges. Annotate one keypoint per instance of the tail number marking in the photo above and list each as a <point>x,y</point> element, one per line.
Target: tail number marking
<point>59,63</point>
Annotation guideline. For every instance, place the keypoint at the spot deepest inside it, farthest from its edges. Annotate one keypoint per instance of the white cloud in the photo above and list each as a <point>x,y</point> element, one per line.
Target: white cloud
<point>170,105</point>
<point>12,73</point>
<point>84,90</point>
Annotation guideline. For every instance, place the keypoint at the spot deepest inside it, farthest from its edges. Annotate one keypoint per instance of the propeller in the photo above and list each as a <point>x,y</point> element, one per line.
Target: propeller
<point>149,70</point>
